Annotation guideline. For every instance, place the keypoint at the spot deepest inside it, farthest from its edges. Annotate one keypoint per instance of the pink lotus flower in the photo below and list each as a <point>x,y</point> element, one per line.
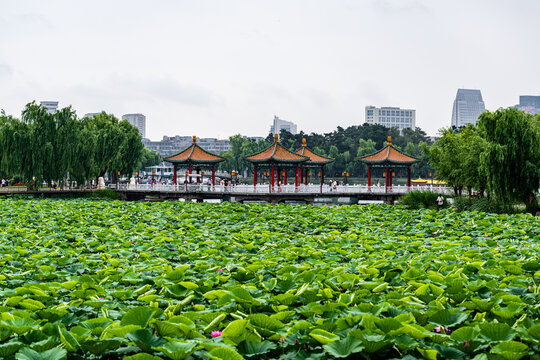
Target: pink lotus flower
<point>438,329</point>
<point>220,270</point>
<point>486,235</point>
<point>282,339</point>
<point>466,344</point>
<point>215,333</point>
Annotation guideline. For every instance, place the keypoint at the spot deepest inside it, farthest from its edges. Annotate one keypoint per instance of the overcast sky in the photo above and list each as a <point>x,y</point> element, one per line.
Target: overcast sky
<point>222,67</point>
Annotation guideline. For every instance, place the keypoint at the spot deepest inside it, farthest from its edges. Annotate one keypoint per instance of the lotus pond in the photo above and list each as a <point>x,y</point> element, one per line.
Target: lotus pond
<point>83,279</point>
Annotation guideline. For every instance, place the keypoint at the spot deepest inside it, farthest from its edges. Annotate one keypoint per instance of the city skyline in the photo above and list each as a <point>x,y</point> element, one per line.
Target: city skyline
<point>216,69</point>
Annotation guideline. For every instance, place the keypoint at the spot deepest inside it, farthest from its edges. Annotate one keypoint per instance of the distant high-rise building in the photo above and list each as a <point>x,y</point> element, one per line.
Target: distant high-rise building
<point>137,120</point>
<point>171,145</point>
<point>279,125</point>
<point>468,106</point>
<point>51,106</point>
<point>391,117</point>
<point>90,115</point>
<point>529,103</point>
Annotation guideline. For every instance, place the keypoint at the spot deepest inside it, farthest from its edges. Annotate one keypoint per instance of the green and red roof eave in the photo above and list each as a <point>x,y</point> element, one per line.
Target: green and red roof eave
<point>389,155</point>
<point>194,155</point>
<point>276,154</point>
<point>314,159</point>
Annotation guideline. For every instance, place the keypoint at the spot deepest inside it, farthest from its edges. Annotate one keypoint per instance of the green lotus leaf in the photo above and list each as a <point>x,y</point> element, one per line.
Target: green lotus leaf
<point>46,344</point>
<point>223,353</point>
<point>178,350</point>
<point>448,318</point>
<point>68,340</point>
<point>324,337</point>
<point>114,330</point>
<point>428,354</point>
<point>139,316</point>
<point>177,274</point>
<point>242,295</point>
<point>496,332</point>
<point>465,333</point>
<point>387,325</point>
<point>145,339</point>
<point>52,354</point>
<point>344,347</point>
<point>98,347</point>
<point>251,349</point>
<point>510,350</point>
<point>266,322</point>
<point>534,331</point>
<point>142,356</point>
<point>8,349</point>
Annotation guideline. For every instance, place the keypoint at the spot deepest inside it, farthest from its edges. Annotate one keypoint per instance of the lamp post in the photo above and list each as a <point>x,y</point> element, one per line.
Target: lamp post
<point>345,176</point>
<point>136,177</point>
<point>431,176</point>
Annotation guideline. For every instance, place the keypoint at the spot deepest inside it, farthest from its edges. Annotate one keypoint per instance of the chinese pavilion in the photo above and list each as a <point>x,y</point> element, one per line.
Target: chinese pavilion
<point>314,162</point>
<point>195,156</point>
<point>276,157</point>
<point>389,158</point>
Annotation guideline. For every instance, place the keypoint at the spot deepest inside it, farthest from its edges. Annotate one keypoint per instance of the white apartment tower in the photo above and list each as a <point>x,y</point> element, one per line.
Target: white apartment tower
<point>279,125</point>
<point>137,120</point>
<point>391,117</point>
<point>51,106</point>
<point>468,105</point>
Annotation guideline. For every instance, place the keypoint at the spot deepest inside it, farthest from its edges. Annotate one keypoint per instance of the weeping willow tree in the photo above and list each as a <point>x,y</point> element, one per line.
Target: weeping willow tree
<point>511,159</point>
<point>44,147</point>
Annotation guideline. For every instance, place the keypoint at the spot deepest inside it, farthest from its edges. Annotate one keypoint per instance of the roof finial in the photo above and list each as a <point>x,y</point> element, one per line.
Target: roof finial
<point>389,140</point>
<point>194,139</point>
<point>276,138</point>
<point>304,142</point>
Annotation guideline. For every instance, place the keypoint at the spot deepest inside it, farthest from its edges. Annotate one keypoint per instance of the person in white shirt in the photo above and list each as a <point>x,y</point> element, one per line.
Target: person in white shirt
<point>440,201</point>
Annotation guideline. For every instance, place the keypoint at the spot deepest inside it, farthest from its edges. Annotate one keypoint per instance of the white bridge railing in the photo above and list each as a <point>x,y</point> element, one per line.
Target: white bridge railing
<point>346,190</point>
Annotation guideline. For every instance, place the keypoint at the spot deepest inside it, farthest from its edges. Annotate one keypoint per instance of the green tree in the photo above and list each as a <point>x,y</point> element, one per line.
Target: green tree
<point>511,159</point>
<point>148,158</point>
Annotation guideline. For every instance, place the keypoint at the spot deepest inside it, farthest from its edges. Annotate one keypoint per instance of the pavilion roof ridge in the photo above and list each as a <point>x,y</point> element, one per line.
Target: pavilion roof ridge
<point>313,156</point>
<point>392,155</point>
<point>276,153</point>
<point>205,157</point>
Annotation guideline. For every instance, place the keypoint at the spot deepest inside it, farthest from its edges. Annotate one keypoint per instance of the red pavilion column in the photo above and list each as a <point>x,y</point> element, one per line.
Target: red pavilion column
<point>272,176</point>
<point>213,175</point>
<point>391,177</point>
<point>285,176</point>
<point>254,175</point>
<point>369,177</point>
<point>198,177</point>
<point>322,177</point>
<point>174,176</point>
<point>279,175</point>
<point>296,178</point>
<point>190,171</point>
<point>409,176</point>
<point>387,180</point>
<point>306,176</point>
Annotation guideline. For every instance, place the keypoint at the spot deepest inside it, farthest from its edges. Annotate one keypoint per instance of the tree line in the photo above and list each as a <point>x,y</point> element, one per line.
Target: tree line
<point>56,148</point>
<point>498,157</point>
<point>344,145</point>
